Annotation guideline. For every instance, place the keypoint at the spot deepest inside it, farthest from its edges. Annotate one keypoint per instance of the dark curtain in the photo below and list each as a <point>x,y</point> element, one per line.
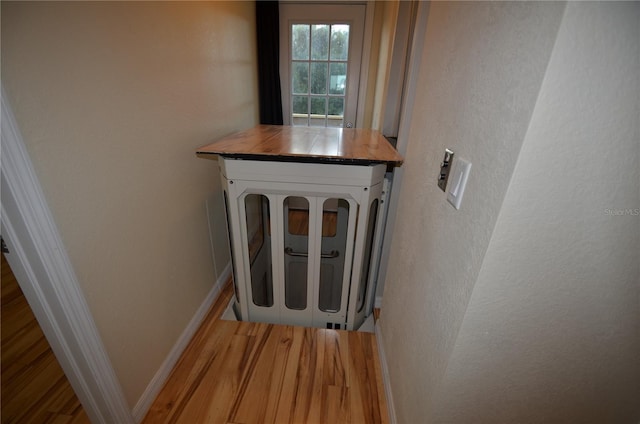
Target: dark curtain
<point>268,30</point>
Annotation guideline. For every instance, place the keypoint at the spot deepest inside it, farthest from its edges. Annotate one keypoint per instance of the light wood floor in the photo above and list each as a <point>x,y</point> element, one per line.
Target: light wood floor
<point>245,373</point>
<point>34,387</point>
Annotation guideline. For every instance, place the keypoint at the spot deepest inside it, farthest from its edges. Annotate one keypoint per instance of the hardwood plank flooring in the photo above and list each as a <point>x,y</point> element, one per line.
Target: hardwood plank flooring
<point>34,387</point>
<point>245,373</point>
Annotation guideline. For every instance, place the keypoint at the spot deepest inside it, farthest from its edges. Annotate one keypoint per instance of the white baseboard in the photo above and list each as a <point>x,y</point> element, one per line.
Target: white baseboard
<point>385,377</point>
<point>158,380</point>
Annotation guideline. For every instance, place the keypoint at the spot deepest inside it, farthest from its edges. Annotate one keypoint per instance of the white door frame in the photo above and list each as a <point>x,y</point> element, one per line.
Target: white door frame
<point>42,267</point>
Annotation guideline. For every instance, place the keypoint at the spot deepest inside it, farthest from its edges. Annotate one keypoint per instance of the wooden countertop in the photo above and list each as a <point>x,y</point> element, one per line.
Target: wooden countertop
<point>306,144</point>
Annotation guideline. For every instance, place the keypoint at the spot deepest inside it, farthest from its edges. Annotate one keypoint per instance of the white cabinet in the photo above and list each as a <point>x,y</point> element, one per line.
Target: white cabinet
<point>301,239</point>
<point>303,206</point>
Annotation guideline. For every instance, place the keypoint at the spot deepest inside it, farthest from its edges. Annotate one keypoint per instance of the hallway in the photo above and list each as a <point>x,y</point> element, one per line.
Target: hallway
<point>241,372</point>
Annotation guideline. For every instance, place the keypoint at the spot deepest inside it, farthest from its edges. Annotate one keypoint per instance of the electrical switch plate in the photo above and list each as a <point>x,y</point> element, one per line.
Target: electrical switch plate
<point>459,177</point>
<point>445,168</point>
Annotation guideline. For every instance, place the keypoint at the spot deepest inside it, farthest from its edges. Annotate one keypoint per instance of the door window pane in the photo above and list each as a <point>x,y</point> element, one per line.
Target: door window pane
<point>319,78</point>
<point>300,81</point>
<point>319,42</point>
<point>300,42</point>
<point>318,112</point>
<point>300,104</point>
<point>335,117</point>
<point>337,78</point>
<point>300,109</point>
<point>339,42</point>
<point>336,106</point>
<point>319,106</point>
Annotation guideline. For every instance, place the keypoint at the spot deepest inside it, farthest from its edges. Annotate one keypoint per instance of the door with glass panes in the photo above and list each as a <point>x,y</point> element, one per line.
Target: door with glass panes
<point>320,57</point>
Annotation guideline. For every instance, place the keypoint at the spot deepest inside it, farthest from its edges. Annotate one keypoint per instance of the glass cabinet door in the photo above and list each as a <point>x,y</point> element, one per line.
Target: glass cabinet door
<point>259,249</point>
<point>296,242</point>
<point>335,219</point>
<point>366,262</point>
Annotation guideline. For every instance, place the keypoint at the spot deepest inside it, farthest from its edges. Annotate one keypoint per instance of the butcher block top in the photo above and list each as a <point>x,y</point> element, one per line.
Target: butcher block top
<point>353,146</point>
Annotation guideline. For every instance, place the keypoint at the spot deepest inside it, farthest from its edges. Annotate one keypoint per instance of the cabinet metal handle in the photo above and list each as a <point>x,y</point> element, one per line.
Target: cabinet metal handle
<point>333,254</point>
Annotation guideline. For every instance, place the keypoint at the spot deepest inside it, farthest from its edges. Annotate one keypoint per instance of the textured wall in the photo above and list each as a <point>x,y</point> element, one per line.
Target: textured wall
<point>112,99</point>
<point>552,332</point>
<point>481,71</point>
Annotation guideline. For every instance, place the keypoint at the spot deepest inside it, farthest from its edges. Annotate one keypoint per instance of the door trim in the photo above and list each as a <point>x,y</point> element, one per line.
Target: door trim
<point>43,269</point>
<point>364,64</point>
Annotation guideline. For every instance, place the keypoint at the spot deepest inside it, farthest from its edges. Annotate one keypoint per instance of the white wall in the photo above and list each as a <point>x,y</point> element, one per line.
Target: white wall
<point>112,99</point>
<point>551,334</point>
<point>523,306</point>
<point>481,71</point>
